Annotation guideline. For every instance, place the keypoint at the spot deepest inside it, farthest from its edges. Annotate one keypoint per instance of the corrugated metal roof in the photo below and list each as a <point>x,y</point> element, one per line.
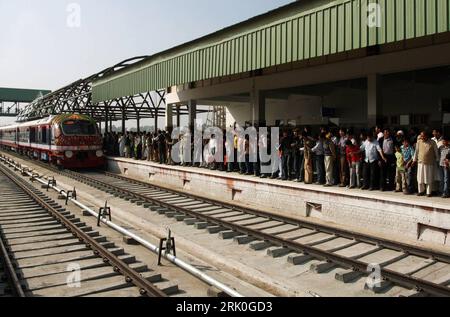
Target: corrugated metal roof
<point>296,32</point>
<point>21,95</point>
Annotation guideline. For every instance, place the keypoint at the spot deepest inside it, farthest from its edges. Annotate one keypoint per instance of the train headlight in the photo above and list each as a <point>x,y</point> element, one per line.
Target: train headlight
<point>69,154</point>
<point>99,153</point>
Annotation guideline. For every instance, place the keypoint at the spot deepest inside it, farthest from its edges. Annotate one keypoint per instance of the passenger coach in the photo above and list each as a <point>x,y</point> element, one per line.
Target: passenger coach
<point>68,140</point>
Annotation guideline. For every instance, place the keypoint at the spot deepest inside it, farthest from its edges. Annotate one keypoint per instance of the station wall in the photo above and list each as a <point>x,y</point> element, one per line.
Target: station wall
<point>350,107</point>
<point>401,98</point>
<point>404,98</point>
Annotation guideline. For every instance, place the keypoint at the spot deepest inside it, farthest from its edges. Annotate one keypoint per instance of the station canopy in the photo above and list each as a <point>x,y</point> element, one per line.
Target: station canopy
<point>284,39</point>
<point>290,37</point>
<point>17,95</point>
<point>77,98</point>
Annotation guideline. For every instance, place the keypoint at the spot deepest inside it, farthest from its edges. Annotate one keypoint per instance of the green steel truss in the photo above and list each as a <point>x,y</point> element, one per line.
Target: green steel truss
<point>12,100</point>
<point>77,98</point>
<point>297,32</point>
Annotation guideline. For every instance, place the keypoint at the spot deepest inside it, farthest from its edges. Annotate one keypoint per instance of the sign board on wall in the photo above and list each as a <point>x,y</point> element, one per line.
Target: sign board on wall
<point>328,112</point>
<point>446,119</point>
<point>335,121</point>
<point>405,120</point>
<point>292,123</point>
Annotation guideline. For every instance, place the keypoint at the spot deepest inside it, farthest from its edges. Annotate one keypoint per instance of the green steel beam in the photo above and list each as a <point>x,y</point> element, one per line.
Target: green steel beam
<point>21,95</point>
<point>296,32</point>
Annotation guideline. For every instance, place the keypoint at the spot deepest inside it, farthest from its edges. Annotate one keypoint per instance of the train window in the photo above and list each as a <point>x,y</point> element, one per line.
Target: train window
<point>43,135</point>
<point>23,136</point>
<point>78,127</point>
<point>49,137</point>
<point>32,135</point>
<point>56,132</point>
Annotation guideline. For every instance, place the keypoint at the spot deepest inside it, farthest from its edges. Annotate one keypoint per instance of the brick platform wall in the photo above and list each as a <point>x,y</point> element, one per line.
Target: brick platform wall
<point>387,213</point>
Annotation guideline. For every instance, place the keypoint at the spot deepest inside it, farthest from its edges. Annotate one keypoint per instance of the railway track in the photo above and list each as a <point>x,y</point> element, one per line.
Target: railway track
<point>424,272</point>
<point>47,251</point>
<point>9,284</point>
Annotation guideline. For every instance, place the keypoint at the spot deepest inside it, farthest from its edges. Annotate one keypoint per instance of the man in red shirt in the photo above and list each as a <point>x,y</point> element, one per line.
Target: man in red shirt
<point>354,162</point>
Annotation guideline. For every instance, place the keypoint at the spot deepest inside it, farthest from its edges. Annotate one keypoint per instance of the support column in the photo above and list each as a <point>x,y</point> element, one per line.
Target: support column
<point>169,117</point>
<point>178,117</point>
<point>192,107</point>
<point>258,104</point>
<point>124,128</point>
<point>111,125</point>
<point>156,120</point>
<point>138,122</point>
<point>106,119</point>
<point>374,100</point>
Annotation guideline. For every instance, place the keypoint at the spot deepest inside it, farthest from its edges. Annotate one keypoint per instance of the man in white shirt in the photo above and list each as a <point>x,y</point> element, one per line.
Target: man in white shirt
<point>438,184</point>
<point>372,151</point>
<point>438,138</point>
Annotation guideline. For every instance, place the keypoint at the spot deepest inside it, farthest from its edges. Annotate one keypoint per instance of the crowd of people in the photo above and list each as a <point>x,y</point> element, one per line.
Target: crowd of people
<point>139,145</point>
<point>410,162</point>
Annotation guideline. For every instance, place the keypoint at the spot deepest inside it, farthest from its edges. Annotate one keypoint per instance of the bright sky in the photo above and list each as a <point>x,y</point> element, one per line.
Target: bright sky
<point>39,50</point>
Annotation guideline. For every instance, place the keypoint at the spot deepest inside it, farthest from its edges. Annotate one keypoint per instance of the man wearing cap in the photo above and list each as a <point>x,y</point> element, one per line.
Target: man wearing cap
<point>425,157</point>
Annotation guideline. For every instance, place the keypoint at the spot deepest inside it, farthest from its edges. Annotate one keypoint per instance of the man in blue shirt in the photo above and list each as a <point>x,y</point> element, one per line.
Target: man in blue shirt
<point>387,168</point>
<point>408,156</point>
<point>372,150</point>
<point>319,154</point>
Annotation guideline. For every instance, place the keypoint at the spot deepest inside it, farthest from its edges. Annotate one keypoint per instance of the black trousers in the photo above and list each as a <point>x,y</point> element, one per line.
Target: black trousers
<point>370,174</point>
<point>298,165</point>
<point>162,154</point>
<point>285,164</point>
<point>248,165</point>
<point>387,173</point>
<point>257,167</point>
<point>320,168</point>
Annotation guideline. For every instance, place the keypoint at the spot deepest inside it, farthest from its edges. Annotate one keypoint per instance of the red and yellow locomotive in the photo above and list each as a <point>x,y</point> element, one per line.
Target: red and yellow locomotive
<point>67,140</point>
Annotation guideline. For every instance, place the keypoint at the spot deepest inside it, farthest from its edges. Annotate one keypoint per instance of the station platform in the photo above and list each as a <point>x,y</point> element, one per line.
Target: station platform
<point>414,218</point>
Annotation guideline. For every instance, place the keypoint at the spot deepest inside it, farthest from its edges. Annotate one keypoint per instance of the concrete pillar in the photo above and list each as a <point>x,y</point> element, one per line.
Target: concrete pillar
<point>138,123</point>
<point>192,106</point>
<point>178,116</point>
<point>111,125</point>
<point>156,120</point>
<point>169,117</point>
<point>106,119</point>
<point>374,100</point>
<point>258,104</point>
<point>124,128</point>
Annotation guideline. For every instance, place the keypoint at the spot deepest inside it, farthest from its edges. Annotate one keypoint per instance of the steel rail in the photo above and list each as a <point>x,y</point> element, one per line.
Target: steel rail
<point>369,239</point>
<point>395,277</point>
<point>131,276</point>
<point>10,271</point>
<point>177,261</point>
<point>359,266</point>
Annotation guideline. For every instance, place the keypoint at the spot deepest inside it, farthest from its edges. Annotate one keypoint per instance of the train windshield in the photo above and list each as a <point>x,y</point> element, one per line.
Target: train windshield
<point>79,127</point>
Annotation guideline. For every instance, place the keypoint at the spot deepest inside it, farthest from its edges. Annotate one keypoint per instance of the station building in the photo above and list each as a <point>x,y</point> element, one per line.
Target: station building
<point>351,63</point>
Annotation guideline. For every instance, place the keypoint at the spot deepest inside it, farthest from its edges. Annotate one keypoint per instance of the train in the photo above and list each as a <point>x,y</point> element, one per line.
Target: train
<point>71,141</point>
